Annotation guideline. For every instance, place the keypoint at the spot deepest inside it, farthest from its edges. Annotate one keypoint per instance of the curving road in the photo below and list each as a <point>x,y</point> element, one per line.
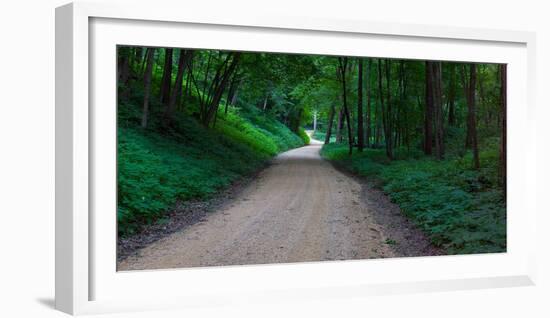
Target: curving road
<point>299,209</point>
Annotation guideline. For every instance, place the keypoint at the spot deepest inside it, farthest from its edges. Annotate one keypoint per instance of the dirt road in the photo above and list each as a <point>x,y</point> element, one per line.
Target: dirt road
<point>299,209</point>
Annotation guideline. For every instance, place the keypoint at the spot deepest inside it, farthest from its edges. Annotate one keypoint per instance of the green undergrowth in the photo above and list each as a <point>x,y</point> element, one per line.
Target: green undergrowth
<point>262,133</point>
<point>319,135</point>
<point>303,136</point>
<point>461,210</point>
<point>158,167</point>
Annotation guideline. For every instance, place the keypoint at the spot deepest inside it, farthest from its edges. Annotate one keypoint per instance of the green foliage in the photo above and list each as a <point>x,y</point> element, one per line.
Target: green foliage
<point>155,170</point>
<point>245,132</point>
<point>269,97</point>
<point>304,136</point>
<point>260,131</point>
<point>319,135</point>
<point>184,160</point>
<point>460,209</point>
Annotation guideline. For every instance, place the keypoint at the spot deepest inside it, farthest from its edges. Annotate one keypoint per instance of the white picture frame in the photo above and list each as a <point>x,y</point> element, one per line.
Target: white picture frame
<point>86,278</point>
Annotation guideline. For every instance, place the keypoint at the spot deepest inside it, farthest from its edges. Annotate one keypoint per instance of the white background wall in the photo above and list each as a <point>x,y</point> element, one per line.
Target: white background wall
<point>27,158</point>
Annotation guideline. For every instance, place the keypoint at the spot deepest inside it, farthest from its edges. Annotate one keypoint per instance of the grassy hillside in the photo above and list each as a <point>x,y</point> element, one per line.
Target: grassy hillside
<point>459,208</point>
<point>157,167</point>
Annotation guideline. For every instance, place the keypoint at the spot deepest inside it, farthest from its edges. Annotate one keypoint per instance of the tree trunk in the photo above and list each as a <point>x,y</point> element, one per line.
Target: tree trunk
<point>183,89</point>
<point>378,111</point>
<point>503,105</point>
<point>329,126</point>
<point>368,116</point>
<point>360,132</point>
<point>340,125</point>
<point>123,65</point>
<point>400,105</point>
<point>343,62</point>
<point>404,109</point>
<point>439,118</point>
<point>385,107</point>
<point>389,113</point>
<point>138,57</point>
<point>231,92</point>
<point>220,88</point>
<point>471,101</point>
<point>123,71</point>
<point>380,93</point>
<point>188,81</point>
<point>147,86</point>
<point>144,62</point>
<point>452,95</point>
<point>465,85</point>
<point>434,73</point>
<point>428,112</point>
<point>481,99</point>
<point>166,81</point>
<point>183,61</point>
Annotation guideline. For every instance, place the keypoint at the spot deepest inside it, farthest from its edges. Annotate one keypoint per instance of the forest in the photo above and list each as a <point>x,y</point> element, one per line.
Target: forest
<point>430,134</point>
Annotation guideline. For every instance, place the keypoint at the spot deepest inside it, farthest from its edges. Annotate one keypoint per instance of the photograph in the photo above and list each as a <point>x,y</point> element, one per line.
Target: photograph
<point>275,159</point>
<point>240,158</point>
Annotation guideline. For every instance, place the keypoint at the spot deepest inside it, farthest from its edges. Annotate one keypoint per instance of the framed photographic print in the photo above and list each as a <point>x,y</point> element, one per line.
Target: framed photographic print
<point>204,158</point>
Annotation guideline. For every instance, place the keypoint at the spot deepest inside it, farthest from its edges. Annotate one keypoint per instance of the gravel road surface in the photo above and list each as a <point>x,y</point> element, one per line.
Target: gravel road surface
<point>298,209</point>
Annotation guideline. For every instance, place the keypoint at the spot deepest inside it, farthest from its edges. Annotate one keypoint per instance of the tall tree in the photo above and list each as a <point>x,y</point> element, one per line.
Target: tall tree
<point>389,112</point>
<point>407,109</point>
<point>329,124</point>
<point>481,101</point>
<point>369,111</point>
<point>434,74</point>
<point>470,92</point>
<point>209,100</point>
<point>123,68</point>
<point>343,64</point>
<point>385,105</point>
<point>340,125</point>
<point>144,62</point>
<point>403,111</point>
<point>231,92</point>
<point>166,81</point>
<point>428,112</point>
<point>147,86</point>
<point>183,62</point>
<point>451,95</point>
<point>503,107</point>
<point>138,57</point>
<point>214,103</point>
<point>235,93</point>
<point>360,134</point>
<point>377,111</point>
